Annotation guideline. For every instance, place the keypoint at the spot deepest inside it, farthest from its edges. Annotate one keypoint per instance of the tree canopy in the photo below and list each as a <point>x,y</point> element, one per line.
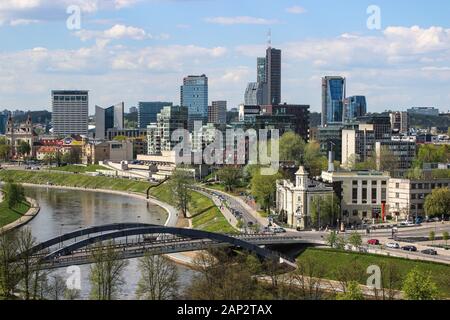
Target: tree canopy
<point>438,202</point>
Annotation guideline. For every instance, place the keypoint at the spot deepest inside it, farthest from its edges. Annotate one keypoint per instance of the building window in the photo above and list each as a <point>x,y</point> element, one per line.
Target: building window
<point>355,213</point>
<point>383,194</point>
<point>364,195</point>
<point>355,195</point>
<point>384,182</point>
<point>397,195</point>
<point>413,207</point>
<point>355,182</point>
<point>413,196</point>
<point>364,183</point>
<point>397,185</point>
<point>413,186</point>
<point>420,186</point>
<point>364,214</point>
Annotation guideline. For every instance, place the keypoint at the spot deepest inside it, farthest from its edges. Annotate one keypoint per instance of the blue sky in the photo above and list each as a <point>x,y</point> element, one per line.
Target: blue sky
<point>139,50</point>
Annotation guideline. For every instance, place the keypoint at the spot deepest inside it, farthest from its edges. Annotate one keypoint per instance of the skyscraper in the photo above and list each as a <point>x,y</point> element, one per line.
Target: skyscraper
<point>194,96</point>
<point>273,75</point>
<point>354,107</point>
<point>147,112</point>
<point>256,94</point>
<point>109,118</point>
<point>70,112</point>
<point>333,95</point>
<point>261,69</point>
<point>217,113</point>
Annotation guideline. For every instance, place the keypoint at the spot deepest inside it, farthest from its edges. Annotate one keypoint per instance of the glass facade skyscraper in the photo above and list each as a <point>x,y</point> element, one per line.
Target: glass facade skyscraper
<point>261,69</point>
<point>354,108</point>
<point>333,95</point>
<point>109,118</point>
<point>273,75</point>
<point>194,96</point>
<point>148,111</point>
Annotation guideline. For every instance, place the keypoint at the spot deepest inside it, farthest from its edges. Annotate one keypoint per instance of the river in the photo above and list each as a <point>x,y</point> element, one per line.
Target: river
<point>64,211</point>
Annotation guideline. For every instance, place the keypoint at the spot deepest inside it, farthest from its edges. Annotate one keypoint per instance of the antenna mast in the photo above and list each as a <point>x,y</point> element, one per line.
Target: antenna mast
<point>269,38</point>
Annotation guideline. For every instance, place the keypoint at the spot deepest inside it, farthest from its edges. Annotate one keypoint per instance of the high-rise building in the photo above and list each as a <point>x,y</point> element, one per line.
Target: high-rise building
<point>256,94</point>
<point>333,95</point>
<point>261,70</point>
<point>133,110</point>
<point>70,112</point>
<point>147,112</point>
<point>3,120</point>
<point>273,75</point>
<point>354,107</point>
<point>400,122</point>
<point>194,96</point>
<point>109,118</point>
<point>217,113</point>
<point>159,134</point>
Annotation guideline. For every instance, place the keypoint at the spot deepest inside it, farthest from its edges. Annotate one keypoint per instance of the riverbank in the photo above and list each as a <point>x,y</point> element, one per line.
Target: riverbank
<point>32,209</point>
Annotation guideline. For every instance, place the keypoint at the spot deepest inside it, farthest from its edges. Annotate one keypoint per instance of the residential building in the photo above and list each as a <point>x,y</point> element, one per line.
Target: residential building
<point>160,133</point>
<point>115,151</point>
<point>333,95</point>
<point>147,112</point>
<point>407,197</point>
<point>363,194</point>
<point>109,118</point>
<point>354,107</point>
<point>273,75</point>
<point>400,122</point>
<point>217,113</point>
<point>194,96</point>
<point>70,113</point>
<point>295,200</point>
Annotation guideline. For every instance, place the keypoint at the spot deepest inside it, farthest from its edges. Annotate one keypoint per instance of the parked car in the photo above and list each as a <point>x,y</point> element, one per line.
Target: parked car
<point>430,252</point>
<point>393,245</point>
<point>409,248</point>
<point>373,242</point>
<point>279,230</point>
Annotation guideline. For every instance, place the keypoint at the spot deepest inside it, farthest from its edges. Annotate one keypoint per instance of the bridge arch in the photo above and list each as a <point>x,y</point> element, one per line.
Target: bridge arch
<point>189,233</point>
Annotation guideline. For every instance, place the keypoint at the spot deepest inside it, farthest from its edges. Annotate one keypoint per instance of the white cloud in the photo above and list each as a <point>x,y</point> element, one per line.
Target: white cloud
<point>296,10</point>
<point>240,20</point>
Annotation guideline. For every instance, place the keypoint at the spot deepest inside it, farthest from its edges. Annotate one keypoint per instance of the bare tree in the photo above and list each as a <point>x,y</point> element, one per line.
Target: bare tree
<point>9,268</point>
<point>309,277</point>
<point>159,278</point>
<point>72,294</point>
<point>25,242</point>
<point>56,288</point>
<point>106,272</point>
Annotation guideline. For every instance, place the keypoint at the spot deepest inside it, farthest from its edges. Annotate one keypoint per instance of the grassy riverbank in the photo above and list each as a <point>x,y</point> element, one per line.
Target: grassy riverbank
<point>79,168</point>
<point>74,180</point>
<point>206,216</point>
<point>334,261</point>
<point>8,215</point>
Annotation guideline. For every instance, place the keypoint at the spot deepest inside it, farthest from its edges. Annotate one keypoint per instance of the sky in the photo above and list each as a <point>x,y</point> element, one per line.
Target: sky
<point>140,50</point>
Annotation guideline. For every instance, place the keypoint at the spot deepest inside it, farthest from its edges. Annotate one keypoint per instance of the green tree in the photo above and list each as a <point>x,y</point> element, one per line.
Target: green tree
<point>438,202</point>
<point>419,286</point>
<point>72,157</point>
<point>263,187</point>
<point>445,237</point>
<point>353,292</point>
<point>432,236</point>
<point>24,149</point>
<point>230,177</point>
<point>106,272</point>
<point>332,239</point>
<point>159,278</point>
<point>355,239</point>
<point>313,160</point>
<point>9,271</point>
<point>14,194</point>
<point>180,182</point>
<point>292,147</point>
<point>5,149</point>
<point>328,207</point>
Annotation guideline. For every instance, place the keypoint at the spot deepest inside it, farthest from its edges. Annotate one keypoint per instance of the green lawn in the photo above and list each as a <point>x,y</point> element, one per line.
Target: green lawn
<point>207,216</point>
<point>75,180</point>
<point>8,215</point>
<point>80,169</point>
<point>333,260</point>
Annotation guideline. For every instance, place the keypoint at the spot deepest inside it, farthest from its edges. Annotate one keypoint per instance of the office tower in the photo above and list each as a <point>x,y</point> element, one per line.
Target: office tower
<point>70,112</point>
<point>109,118</point>
<point>3,120</point>
<point>133,110</point>
<point>400,122</point>
<point>299,115</point>
<point>256,94</point>
<point>261,70</point>
<point>273,75</point>
<point>194,96</point>
<point>354,107</point>
<point>159,134</point>
<point>147,112</point>
<point>217,113</point>
<point>333,95</point>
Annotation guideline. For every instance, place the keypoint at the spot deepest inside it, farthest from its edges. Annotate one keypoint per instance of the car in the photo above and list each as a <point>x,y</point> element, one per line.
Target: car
<point>393,245</point>
<point>250,224</point>
<point>279,230</point>
<point>430,252</point>
<point>409,248</point>
<point>373,242</point>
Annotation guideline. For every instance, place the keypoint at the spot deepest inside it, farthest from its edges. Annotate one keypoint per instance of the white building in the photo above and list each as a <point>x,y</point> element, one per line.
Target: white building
<point>295,200</point>
<point>364,194</point>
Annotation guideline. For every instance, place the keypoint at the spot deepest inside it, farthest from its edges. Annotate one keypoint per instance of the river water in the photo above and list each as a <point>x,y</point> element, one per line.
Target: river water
<point>63,211</point>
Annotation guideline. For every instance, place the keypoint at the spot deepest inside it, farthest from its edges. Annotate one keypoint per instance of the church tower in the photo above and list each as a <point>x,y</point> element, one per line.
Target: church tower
<point>301,178</point>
